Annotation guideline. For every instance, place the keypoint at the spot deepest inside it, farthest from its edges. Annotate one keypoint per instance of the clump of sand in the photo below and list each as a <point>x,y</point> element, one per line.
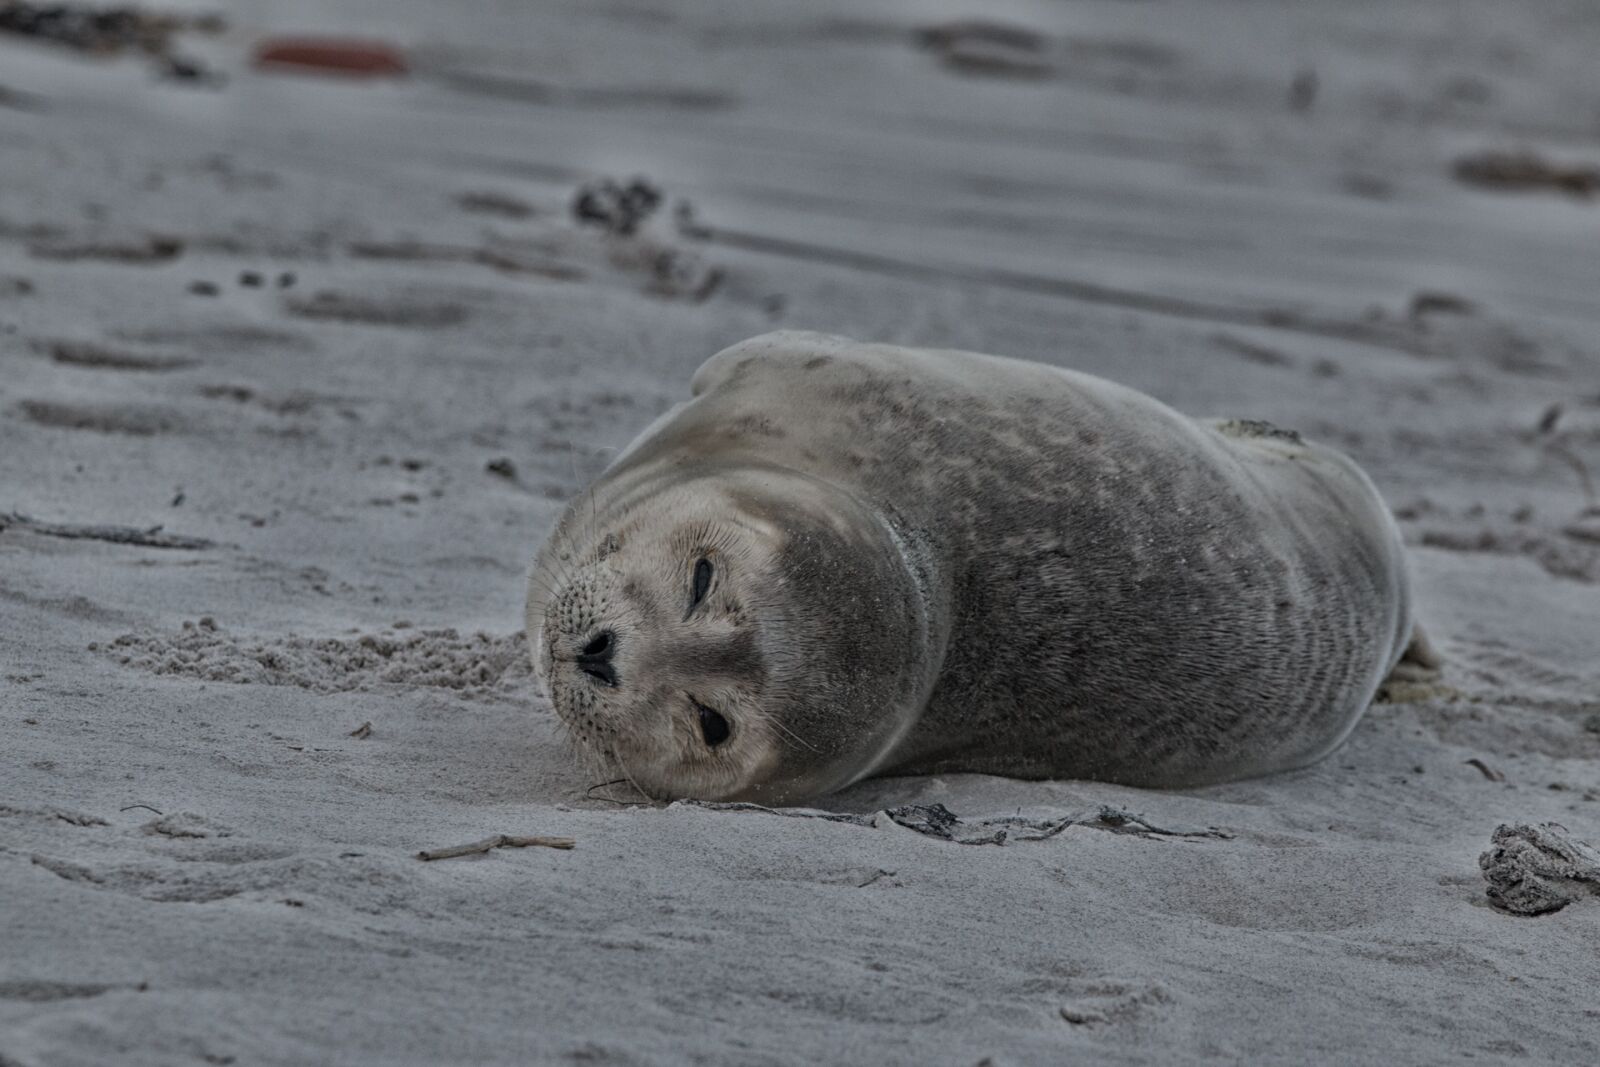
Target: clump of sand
<point>474,664</point>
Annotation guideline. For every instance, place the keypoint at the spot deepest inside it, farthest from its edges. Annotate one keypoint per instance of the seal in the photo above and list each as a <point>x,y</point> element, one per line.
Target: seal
<point>839,560</point>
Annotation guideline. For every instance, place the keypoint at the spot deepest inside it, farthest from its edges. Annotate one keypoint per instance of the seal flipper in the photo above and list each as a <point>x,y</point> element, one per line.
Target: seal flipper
<point>1419,663</point>
<point>1420,652</point>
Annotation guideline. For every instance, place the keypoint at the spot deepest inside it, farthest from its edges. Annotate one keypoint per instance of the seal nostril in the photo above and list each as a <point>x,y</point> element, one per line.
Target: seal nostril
<point>599,671</point>
<point>600,648</point>
<point>595,659</point>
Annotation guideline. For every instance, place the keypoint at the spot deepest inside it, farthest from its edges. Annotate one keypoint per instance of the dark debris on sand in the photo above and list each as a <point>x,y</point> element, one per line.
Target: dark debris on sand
<point>107,31</point>
<point>624,211</point>
<point>938,821</point>
<point>1535,870</point>
<point>616,207</point>
<point>1518,171</point>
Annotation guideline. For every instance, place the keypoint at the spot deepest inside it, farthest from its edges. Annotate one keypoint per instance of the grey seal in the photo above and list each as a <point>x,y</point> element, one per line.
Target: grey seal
<point>841,559</point>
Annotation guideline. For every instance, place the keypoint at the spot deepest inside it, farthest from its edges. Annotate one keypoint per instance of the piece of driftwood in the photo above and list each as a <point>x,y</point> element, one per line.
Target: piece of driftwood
<point>497,841</point>
<point>146,537</point>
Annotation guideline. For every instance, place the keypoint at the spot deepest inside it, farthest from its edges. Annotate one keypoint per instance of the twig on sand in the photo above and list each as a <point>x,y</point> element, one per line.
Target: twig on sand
<point>146,807</point>
<point>497,841</point>
<point>362,732</point>
<point>1484,769</point>
<point>146,537</point>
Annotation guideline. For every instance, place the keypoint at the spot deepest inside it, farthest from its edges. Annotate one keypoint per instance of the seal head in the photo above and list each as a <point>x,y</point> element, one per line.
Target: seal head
<point>737,632</point>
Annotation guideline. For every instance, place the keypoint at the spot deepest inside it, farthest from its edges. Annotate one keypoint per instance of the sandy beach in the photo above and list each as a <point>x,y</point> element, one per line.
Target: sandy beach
<point>296,371</point>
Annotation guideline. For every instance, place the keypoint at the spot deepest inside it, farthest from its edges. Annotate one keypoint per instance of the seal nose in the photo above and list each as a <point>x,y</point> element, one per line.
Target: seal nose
<point>595,659</point>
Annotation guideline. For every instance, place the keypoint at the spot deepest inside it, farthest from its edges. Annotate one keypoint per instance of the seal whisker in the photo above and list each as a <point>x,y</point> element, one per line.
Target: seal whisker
<point>589,793</point>
<point>623,767</point>
<point>553,574</point>
<point>543,583</point>
<point>772,720</point>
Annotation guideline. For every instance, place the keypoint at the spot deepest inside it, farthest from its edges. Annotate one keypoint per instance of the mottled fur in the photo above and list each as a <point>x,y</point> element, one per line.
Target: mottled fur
<point>942,561</point>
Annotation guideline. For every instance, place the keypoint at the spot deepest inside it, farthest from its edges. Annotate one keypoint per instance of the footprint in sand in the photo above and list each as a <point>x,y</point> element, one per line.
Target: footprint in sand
<point>1103,1002</point>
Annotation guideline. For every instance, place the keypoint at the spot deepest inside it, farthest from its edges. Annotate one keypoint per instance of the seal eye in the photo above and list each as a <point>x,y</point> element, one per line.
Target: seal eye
<point>702,583</point>
<point>713,727</point>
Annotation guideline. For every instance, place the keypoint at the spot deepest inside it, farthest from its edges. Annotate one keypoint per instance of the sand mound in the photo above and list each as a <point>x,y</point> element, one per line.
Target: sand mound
<point>474,664</point>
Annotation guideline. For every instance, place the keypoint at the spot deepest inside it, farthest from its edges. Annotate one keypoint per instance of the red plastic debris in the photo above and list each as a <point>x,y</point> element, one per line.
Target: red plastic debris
<point>368,59</point>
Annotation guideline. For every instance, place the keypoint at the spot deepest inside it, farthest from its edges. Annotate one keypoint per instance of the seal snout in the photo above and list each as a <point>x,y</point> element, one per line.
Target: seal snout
<point>594,659</point>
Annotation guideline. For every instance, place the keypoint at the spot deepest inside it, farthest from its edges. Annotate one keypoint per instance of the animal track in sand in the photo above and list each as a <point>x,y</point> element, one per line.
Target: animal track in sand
<point>401,311</point>
<point>1502,664</point>
<point>504,262</point>
<point>209,873</point>
<point>294,402</point>
<point>93,356</point>
<point>181,857</point>
<point>185,824</point>
<point>135,421</point>
<point>72,818</point>
<point>139,251</point>
<point>39,992</point>
<point>233,337</point>
<point>1561,558</point>
<point>142,880</point>
<point>476,664</point>
<point>1565,549</point>
<point>1101,1001</point>
<point>1506,699</point>
<point>886,1001</point>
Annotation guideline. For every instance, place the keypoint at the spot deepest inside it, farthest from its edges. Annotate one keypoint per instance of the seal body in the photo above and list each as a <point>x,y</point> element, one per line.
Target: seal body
<point>943,561</point>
